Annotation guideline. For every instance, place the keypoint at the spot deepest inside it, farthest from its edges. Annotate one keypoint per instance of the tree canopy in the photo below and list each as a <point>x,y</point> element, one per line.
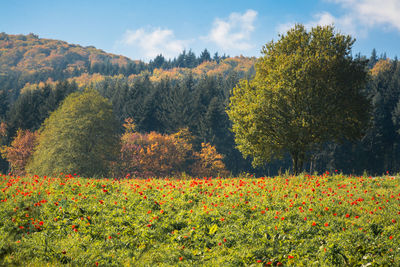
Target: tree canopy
<point>79,137</point>
<point>307,90</point>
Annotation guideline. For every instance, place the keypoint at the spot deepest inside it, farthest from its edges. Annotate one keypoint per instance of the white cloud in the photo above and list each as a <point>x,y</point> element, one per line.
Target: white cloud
<point>345,24</point>
<point>359,17</point>
<point>284,27</point>
<point>373,12</point>
<point>234,32</point>
<point>152,42</point>
<point>322,19</point>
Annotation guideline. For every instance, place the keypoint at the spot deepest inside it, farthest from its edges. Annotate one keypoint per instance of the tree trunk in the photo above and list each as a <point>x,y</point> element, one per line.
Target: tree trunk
<point>298,160</point>
<point>295,160</point>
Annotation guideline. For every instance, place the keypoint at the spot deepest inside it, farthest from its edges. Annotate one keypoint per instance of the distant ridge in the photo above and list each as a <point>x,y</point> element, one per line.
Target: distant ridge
<point>26,60</point>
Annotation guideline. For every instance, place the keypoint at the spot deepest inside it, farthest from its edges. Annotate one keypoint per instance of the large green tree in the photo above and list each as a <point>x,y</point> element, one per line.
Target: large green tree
<point>79,137</point>
<point>307,90</point>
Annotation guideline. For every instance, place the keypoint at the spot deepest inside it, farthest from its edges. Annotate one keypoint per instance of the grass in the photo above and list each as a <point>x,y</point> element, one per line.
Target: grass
<point>304,220</point>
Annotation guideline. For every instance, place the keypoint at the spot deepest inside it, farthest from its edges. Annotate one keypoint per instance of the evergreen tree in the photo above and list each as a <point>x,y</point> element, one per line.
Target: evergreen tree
<point>204,56</point>
<point>373,59</point>
<point>190,60</point>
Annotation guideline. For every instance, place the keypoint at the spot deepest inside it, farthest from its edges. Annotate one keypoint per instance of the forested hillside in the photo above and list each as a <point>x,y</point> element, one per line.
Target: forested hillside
<point>28,58</point>
<point>187,92</point>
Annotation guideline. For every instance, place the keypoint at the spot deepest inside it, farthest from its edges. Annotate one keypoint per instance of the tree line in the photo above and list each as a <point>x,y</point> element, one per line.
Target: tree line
<point>198,104</point>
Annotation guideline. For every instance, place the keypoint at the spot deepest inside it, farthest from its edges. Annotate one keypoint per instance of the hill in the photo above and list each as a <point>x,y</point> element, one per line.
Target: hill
<point>26,60</point>
<point>29,58</point>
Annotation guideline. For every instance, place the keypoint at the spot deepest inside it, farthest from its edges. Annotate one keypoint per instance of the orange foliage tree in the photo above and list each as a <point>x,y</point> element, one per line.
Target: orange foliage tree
<point>20,150</point>
<point>208,162</point>
<point>160,155</point>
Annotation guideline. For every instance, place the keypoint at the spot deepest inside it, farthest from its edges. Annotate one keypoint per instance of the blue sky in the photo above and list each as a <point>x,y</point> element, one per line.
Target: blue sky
<point>143,29</point>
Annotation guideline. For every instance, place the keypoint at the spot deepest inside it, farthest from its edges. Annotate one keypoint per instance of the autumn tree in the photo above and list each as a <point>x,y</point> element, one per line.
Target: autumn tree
<point>79,137</point>
<point>20,150</point>
<point>208,162</point>
<point>161,155</point>
<point>307,90</point>
<point>153,154</point>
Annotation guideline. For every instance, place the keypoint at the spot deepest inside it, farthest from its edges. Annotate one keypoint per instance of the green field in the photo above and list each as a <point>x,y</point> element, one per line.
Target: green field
<point>305,220</point>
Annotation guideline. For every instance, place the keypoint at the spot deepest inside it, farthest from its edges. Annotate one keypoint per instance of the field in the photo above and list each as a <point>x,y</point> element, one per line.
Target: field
<point>305,220</point>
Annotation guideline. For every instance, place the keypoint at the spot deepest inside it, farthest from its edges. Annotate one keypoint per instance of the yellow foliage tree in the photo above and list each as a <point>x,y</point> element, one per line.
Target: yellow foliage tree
<point>208,162</point>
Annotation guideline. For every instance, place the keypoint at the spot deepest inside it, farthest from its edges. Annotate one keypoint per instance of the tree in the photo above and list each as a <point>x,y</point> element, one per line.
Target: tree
<point>20,150</point>
<point>373,59</point>
<point>158,62</point>
<point>79,137</point>
<point>204,56</point>
<point>209,162</point>
<point>307,90</point>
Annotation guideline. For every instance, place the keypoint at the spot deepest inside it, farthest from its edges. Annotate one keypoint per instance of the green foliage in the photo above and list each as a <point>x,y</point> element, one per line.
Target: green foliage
<point>32,107</point>
<point>327,220</point>
<point>79,137</point>
<point>378,151</point>
<point>307,91</point>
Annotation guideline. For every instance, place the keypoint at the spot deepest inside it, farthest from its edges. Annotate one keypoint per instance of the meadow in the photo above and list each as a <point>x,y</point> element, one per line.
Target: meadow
<point>320,220</point>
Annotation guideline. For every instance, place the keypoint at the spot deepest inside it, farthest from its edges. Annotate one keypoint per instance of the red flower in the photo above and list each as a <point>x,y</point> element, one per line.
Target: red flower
<point>393,221</point>
<point>390,237</point>
<point>259,261</point>
<point>326,224</point>
<point>180,258</point>
<point>314,224</point>
<point>41,223</point>
<point>347,215</point>
<point>290,257</point>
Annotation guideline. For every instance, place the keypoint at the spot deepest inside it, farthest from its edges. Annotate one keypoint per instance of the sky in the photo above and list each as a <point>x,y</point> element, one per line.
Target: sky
<point>143,29</point>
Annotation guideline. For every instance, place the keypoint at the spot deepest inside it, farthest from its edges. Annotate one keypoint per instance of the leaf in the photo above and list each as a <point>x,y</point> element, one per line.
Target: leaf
<point>213,229</point>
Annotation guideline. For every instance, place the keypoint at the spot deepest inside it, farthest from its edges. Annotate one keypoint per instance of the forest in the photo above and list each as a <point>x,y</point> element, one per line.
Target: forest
<point>188,92</point>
